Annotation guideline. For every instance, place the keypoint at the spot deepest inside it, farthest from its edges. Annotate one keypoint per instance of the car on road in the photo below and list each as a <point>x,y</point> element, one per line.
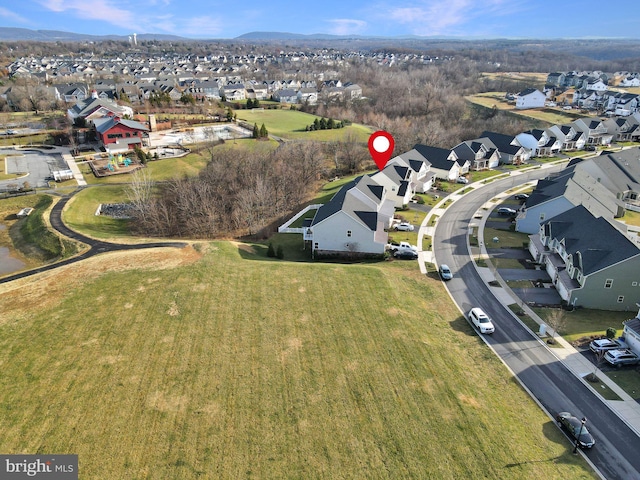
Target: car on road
<point>461,179</point>
<point>445,272</point>
<point>576,429</point>
<point>601,345</point>
<point>405,255</point>
<point>507,211</point>
<point>620,357</point>
<point>11,132</point>
<point>481,320</point>
<point>404,227</point>
<point>521,196</point>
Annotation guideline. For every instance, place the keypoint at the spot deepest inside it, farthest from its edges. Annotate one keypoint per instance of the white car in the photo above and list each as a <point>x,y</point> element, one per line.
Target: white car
<point>404,227</point>
<point>481,320</point>
<point>464,180</point>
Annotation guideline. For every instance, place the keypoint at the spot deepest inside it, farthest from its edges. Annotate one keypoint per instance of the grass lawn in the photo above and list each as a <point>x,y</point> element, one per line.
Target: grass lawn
<point>584,322</point>
<point>291,124</point>
<point>631,218</point>
<point>507,238</point>
<point>79,213</point>
<point>216,362</point>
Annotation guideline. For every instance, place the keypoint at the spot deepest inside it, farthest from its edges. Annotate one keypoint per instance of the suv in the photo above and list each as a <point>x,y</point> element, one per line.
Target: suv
<point>620,357</point>
<point>603,344</point>
<point>481,320</point>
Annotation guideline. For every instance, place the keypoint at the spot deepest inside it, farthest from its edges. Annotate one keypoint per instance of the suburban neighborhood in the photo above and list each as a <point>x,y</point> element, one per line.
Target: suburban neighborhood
<point>297,278</point>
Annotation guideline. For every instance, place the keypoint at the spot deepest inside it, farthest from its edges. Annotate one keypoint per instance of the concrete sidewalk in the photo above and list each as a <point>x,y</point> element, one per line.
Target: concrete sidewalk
<point>626,408</point>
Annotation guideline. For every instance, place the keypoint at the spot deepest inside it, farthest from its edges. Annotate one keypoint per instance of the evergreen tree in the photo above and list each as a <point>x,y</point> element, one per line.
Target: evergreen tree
<point>249,103</point>
<point>263,132</point>
<point>316,124</point>
<point>271,251</point>
<point>256,132</point>
<point>280,252</point>
<point>256,103</point>
<point>331,124</point>
<point>323,123</point>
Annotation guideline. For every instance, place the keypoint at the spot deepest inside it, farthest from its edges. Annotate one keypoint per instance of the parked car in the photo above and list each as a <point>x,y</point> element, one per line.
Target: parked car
<point>445,272</point>
<point>620,357</point>
<point>481,320</point>
<point>603,344</point>
<point>462,179</point>
<point>507,211</point>
<point>590,148</point>
<point>404,227</point>
<point>576,429</point>
<point>395,247</point>
<point>521,196</point>
<point>405,254</point>
<point>11,132</point>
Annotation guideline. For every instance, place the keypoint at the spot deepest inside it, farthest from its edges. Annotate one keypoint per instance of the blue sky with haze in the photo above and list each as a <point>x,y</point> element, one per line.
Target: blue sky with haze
<point>224,19</point>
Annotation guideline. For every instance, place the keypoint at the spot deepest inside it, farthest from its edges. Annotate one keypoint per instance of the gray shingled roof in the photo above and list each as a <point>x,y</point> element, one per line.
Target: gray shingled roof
<point>437,157</point>
<point>594,243</point>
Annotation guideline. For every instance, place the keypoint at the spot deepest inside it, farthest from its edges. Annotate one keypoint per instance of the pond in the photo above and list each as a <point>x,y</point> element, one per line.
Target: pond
<point>9,264</point>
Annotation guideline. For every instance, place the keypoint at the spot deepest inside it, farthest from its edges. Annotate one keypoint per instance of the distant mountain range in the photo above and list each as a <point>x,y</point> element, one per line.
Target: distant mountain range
<point>24,34</point>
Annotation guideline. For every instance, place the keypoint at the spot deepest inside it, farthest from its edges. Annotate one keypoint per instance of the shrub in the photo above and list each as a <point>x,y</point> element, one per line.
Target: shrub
<point>271,251</point>
<point>280,253</point>
<point>611,332</point>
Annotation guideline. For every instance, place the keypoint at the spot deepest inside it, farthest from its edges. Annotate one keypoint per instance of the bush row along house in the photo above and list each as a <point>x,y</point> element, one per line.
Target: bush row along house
<point>592,259</point>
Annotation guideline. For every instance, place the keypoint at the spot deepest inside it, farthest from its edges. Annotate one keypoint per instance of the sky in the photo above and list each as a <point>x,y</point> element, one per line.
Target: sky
<point>215,19</point>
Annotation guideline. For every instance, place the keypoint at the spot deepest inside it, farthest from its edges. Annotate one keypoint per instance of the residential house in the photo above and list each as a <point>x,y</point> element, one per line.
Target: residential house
<point>444,163</point>
<point>354,221</point>
<point>509,149</point>
<point>563,191</point>
<point>569,137</point>
<point>116,134</point>
<point>619,173</point>
<point>594,130</point>
<point>591,263</point>
<point>422,177</point>
<point>234,91</point>
<point>94,107</point>
<point>71,93</point>
<point>530,98</point>
<point>631,333</point>
<point>481,154</point>
<point>286,95</point>
<point>307,96</point>
<point>623,129</point>
<point>556,79</point>
<point>396,179</point>
<point>542,143</point>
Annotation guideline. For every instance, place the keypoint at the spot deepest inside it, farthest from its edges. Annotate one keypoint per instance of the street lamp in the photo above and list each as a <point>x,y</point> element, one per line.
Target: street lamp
<point>582,422</point>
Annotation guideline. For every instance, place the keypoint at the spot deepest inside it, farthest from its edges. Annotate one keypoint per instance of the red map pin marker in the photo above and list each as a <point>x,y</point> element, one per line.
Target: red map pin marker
<point>381,147</point>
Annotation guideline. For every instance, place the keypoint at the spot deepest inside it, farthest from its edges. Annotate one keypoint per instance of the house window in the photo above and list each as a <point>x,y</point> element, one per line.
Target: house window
<point>621,299</point>
<point>348,233</point>
<point>128,134</point>
<point>608,283</point>
<point>542,216</point>
<point>315,247</point>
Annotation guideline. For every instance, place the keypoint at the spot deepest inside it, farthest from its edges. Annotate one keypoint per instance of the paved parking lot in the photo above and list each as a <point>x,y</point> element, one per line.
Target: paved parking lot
<point>35,164</point>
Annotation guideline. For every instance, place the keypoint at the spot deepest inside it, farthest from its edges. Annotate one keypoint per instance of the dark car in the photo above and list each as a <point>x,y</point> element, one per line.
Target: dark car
<point>576,429</point>
<point>405,254</point>
<point>521,196</point>
<point>507,211</point>
<point>590,148</point>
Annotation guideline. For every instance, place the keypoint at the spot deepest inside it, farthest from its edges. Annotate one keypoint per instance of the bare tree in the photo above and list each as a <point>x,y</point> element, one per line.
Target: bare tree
<point>557,320</point>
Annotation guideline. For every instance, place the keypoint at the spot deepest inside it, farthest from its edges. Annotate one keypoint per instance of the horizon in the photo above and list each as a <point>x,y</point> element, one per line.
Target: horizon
<point>427,19</point>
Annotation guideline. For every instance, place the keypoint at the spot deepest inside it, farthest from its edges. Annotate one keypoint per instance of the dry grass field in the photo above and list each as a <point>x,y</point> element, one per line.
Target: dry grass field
<point>215,362</point>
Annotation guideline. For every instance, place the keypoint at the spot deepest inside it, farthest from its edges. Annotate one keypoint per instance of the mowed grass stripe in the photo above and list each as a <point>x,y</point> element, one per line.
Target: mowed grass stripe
<point>239,368</point>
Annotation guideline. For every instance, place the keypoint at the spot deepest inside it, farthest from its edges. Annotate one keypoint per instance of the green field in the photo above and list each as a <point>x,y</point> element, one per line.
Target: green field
<point>216,362</point>
<point>291,124</point>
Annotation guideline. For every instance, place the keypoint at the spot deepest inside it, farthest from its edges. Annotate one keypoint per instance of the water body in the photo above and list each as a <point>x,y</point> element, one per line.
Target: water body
<point>9,264</point>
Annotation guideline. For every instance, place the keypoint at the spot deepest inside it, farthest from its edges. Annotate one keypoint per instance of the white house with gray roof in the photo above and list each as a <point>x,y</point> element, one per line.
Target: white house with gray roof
<point>354,221</point>
<point>590,261</point>
<point>397,182</point>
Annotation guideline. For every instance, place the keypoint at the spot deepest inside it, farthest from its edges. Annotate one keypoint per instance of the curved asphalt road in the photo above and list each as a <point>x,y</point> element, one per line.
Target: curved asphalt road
<point>616,453</point>
<point>95,246</point>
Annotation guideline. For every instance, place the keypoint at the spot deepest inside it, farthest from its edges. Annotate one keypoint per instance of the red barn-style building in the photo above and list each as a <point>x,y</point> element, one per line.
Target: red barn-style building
<point>116,134</point>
